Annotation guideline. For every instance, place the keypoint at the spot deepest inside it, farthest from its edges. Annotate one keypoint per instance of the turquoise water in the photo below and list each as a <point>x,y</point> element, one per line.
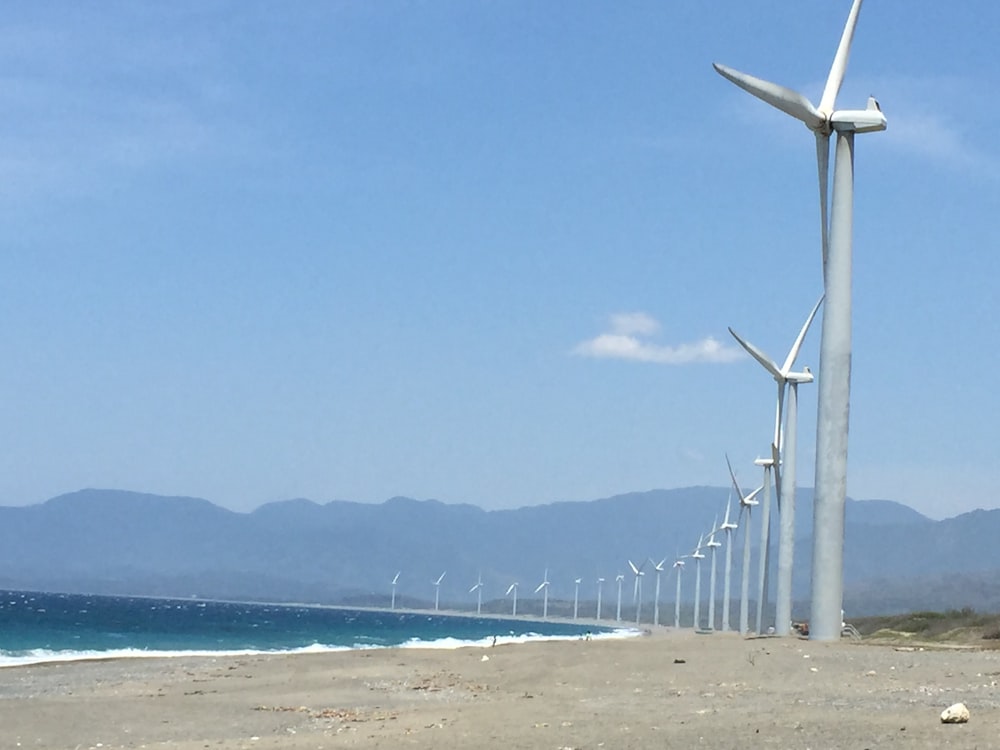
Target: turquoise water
<point>43,627</point>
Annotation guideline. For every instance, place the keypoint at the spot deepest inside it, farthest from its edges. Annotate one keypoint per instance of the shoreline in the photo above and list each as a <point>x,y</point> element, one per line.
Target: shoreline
<point>672,689</point>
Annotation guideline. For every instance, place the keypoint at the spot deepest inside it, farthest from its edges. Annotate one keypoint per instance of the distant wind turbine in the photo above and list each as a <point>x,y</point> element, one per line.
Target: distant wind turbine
<point>478,588</point>
<point>576,597</point>
<point>679,567</point>
<point>637,591</point>
<point>544,588</point>
<point>513,588</point>
<point>395,579</point>
<point>437,590</point>
<point>658,567</point>
<point>729,527</point>
<point>747,503</point>
<point>712,545</point>
<point>619,578</point>
<point>600,589</point>
<point>697,556</point>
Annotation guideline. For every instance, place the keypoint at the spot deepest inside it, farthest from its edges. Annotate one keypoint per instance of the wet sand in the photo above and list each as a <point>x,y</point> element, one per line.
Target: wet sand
<point>667,690</point>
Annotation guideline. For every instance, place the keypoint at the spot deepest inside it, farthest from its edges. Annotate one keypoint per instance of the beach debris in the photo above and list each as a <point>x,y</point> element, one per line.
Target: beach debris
<point>485,658</point>
<point>955,714</point>
<point>680,661</point>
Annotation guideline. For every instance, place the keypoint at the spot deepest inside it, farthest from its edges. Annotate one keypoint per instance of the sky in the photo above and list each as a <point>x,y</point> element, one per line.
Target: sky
<point>482,252</point>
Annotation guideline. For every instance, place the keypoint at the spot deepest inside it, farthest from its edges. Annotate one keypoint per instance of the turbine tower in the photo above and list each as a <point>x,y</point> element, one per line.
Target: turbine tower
<point>437,590</point>
<point>783,448</point>
<point>637,590</point>
<point>544,588</point>
<point>729,528</point>
<point>395,580</point>
<point>712,546</point>
<point>835,346</point>
<point>600,588</point>
<point>747,503</point>
<point>513,588</point>
<point>697,556</point>
<point>764,551</point>
<point>478,588</point>
<point>658,567</point>
<point>576,597</point>
<point>679,567</point>
<point>618,615</point>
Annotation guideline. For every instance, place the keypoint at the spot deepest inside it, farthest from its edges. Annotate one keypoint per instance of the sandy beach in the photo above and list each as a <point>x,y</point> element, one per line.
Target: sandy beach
<point>665,690</point>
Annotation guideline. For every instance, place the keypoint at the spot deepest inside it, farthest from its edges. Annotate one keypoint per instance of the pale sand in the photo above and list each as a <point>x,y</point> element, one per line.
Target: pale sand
<point>728,693</point>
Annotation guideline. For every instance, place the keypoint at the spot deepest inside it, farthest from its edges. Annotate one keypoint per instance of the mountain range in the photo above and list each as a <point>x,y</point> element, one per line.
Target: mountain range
<point>119,542</point>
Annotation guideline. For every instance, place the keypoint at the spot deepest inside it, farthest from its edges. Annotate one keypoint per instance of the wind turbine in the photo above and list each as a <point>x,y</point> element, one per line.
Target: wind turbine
<point>764,551</point>
<point>576,597</point>
<point>395,579</point>
<point>637,591</point>
<point>679,567</point>
<point>478,588</point>
<point>513,609</point>
<point>437,590</point>
<point>618,615</point>
<point>728,527</point>
<point>697,556</point>
<point>712,546</point>
<point>783,447</point>
<point>746,505</point>
<point>600,588</point>
<point>544,588</point>
<point>835,345</point>
<point>658,567</point>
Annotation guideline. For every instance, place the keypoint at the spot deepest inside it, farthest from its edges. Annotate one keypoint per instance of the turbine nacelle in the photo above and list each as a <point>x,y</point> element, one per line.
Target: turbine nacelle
<point>868,120</point>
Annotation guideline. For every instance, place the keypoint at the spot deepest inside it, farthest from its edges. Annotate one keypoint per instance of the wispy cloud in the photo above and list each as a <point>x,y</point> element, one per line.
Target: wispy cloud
<point>628,338</point>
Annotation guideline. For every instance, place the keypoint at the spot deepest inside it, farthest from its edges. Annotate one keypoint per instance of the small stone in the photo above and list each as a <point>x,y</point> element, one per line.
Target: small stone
<point>956,714</point>
<point>871,673</point>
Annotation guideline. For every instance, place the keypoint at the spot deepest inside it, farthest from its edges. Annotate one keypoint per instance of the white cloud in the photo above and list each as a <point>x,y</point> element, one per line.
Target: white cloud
<point>627,340</point>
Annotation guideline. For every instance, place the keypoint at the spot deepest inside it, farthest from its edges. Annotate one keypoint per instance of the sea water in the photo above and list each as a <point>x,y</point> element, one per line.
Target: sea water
<point>36,627</point>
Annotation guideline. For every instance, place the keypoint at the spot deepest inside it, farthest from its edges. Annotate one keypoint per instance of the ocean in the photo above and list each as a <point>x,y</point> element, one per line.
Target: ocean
<point>42,627</point>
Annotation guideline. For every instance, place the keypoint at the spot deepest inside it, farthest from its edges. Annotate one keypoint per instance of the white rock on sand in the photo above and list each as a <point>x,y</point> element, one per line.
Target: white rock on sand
<point>955,714</point>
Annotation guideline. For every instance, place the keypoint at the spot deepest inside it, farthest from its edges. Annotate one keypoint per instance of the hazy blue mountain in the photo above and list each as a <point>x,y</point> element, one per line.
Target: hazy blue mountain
<point>125,542</point>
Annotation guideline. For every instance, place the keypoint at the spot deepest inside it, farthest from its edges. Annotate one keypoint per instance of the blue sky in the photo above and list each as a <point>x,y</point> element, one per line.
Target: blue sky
<point>255,251</point>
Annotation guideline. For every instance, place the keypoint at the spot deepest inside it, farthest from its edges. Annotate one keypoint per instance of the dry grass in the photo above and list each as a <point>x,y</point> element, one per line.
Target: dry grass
<point>964,627</point>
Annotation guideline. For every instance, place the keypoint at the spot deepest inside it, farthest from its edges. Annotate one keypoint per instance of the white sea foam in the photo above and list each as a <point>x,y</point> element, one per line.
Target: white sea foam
<point>45,656</point>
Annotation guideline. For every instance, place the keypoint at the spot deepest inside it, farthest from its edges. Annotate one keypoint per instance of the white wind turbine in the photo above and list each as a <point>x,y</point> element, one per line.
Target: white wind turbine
<point>600,589</point>
<point>658,567</point>
<point>437,590</point>
<point>764,551</point>
<point>618,615</point>
<point>544,588</point>
<point>576,596</point>
<point>712,546</point>
<point>679,567</point>
<point>697,556</point>
<point>637,590</point>
<point>783,448</point>
<point>395,580</point>
<point>478,588</point>
<point>835,346</point>
<point>729,527</point>
<point>747,503</point>
<point>513,588</point>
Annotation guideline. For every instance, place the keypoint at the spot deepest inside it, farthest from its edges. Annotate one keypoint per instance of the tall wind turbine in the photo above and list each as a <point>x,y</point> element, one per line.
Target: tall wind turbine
<point>395,580</point>
<point>600,589</point>
<point>544,588</point>
<point>513,588</point>
<point>637,590</point>
<point>679,567</point>
<point>835,347</point>
<point>437,590</point>
<point>747,503</point>
<point>576,596</point>
<point>478,588</point>
<point>764,551</point>
<point>712,545</point>
<point>783,447</point>
<point>697,556</point>
<point>618,615</point>
<point>658,567</point>
<point>729,527</point>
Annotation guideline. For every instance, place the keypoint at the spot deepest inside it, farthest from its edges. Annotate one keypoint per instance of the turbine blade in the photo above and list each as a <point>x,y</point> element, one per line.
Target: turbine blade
<point>509,589</point>
<point>793,353</point>
<point>788,101</point>
<point>839,67</point>
<point>732,475</point>
<point>635,570</point>
<point>769,364</point>
<point>540,587</point>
